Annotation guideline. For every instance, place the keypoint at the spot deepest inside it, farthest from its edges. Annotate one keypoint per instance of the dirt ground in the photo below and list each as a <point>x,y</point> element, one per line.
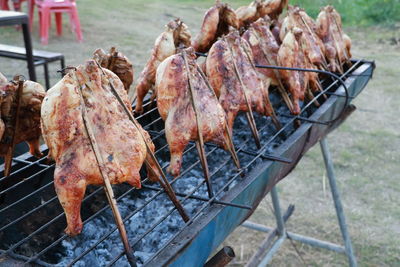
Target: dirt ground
<point>365,148</point>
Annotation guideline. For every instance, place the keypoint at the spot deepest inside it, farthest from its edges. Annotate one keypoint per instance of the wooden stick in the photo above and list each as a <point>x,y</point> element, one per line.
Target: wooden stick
<point>108,189</point>
<point>200,142</point>
<point>249,113</point>
<point>10,150</point>
<point>164,181</point>
<point>324,63</point>
<point>281,88</point>
<point>228,140</point>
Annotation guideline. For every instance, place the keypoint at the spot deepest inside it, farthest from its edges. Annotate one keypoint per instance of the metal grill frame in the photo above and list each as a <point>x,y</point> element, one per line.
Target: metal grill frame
<point>211,207</point>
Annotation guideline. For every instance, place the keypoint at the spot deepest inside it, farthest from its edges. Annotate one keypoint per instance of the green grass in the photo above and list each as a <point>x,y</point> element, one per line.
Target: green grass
<point>357,12</point>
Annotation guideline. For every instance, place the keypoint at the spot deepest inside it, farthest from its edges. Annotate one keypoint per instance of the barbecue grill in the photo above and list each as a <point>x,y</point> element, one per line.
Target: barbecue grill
<point>32,220</point>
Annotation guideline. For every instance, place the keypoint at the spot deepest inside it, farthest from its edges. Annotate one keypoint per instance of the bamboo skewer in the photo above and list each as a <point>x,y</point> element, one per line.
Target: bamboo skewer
<point>200,142</point>
<point>10,150</point>
<point>164,181</point>
<point>229,142</point>
<point>249,113</point>
<point>107,184</point>
<point>324,63</point>
<point>280,86</point>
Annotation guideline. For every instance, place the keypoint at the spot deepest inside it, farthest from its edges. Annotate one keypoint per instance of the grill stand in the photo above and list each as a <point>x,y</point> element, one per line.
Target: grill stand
<point>271,247</point>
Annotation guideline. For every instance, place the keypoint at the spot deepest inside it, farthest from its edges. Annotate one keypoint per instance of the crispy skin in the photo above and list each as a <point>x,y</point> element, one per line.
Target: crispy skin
<point>261,40</point>
<point>248,14</point>
<point>291,55</point>
<point>272,8</point>
<point>314,48</point>
<point>226,84</point>
<point>176,34</point>
<point>258,9</point>
<point>216,22</point>
<point>29,118</point>
<point>120,143</point>
<point>117,63</point>
<point>337,43</point>
<point>175,107</point>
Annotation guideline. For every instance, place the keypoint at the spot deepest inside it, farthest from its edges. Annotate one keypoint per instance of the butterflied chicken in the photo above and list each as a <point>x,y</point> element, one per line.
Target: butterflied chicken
<point>291,55</point>
<point>337,44</point>
<point>216,22</point>
<point>28,128</point>
<point>117,63</point>
<point>264,47</point>
<point>121,144</point>
<point>232,75</point>
<point>176,106</point>
<point>176,35</point>
<point>314,48</point>
<point>273,8</point>
<point>265,50</point>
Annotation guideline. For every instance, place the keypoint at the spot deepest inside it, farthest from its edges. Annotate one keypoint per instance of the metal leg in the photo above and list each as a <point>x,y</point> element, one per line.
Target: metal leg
<point>338,204</point>
<point>46,75</point>
<point>28,48</point>
<point>277,210</point>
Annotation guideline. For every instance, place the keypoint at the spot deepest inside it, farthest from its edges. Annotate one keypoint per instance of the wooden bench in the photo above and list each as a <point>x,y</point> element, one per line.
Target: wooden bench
<point>40,58</point>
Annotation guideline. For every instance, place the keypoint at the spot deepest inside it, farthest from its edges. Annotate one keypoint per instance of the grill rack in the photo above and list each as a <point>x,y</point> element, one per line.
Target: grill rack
<point>37,167</point>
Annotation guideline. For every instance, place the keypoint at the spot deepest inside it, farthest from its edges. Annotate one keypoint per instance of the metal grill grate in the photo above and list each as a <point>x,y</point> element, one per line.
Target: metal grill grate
<point>32,219</point>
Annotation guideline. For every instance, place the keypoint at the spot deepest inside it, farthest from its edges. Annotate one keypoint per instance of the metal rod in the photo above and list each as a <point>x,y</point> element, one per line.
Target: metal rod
<point>268,156</point>
<point>337,201</point>
<point>336,77</point>
<point>257,257</point>
<point>277,211</point>
<point>272,251</point>
<point>300,238</point>
<point>199,124</point>
<point>222,258</point>
<point>204,199</point>
<point>108,189</point>
<point>304,119</point>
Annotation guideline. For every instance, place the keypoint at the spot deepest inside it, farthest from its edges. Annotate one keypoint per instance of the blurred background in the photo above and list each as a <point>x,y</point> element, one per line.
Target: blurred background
<point>365,149</point>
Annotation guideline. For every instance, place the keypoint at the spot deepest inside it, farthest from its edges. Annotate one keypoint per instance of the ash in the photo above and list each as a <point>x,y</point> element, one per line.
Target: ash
<point>151,225</point>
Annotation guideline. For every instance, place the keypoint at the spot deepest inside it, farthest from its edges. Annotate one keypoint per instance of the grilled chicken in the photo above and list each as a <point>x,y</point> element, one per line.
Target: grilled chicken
<point>291,55</point>
<point>216,22</point>
<point>264,47</point>
<point>258,9</point>
<point>314,48</point>
<point>117,63</point>
<point>273,8</point>
<point>176,35</point>
<point>337,44</point>
<point>28,129</point>
<point>232,75</point>
<point>176,107</point>
<point>120,142</point>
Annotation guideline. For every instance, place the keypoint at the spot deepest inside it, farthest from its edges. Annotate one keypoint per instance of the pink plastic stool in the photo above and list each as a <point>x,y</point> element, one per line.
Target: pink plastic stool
<point>4,5</point>
<point>46,7</point>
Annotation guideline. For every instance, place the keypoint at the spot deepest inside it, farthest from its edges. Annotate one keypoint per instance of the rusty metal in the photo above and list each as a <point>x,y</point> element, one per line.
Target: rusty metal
<point>222,258</point>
